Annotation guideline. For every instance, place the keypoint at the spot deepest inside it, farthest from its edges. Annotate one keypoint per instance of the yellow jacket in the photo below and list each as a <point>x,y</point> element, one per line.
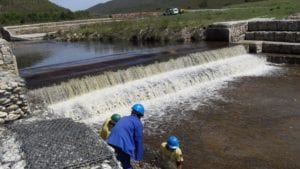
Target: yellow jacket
<point>106,128</point>
<point>170,158</point>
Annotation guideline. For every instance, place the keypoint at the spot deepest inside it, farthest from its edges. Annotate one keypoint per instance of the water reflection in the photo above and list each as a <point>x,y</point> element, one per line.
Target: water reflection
<point>44,53</point>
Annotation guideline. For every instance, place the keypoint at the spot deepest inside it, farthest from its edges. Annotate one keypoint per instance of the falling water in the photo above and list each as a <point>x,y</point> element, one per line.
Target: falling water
<point>161,90</point>
<point>76,87</point>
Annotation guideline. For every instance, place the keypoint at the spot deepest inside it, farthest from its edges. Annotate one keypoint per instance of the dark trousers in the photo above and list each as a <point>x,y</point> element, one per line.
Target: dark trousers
<point>123,157</point>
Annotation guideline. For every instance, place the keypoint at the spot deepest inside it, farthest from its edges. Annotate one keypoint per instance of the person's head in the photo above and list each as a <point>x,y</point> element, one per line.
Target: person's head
<point>173,143</point>
<point>115,118</point>
<point>138,109</point>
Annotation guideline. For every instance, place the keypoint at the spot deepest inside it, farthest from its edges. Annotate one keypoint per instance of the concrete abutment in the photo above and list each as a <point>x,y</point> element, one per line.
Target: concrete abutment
<point>279,37</point>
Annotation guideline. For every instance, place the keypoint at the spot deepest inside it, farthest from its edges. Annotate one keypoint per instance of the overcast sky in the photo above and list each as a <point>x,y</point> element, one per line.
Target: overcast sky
<point>75,5</point>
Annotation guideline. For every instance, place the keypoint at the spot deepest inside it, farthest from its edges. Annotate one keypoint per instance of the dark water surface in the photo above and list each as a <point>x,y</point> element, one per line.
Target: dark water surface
<point>45,53</point>
<point>256,125</point>
<point>47,62</point>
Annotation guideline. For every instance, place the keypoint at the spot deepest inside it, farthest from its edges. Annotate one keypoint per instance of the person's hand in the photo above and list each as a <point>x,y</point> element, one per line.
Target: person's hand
<point>141,164</point>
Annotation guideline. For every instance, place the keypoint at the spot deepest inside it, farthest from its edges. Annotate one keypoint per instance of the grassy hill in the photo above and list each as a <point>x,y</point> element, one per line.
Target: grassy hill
<point>123,6</point>
<point>28,6</point>
<point>32,11</point>
<point>170,28</point>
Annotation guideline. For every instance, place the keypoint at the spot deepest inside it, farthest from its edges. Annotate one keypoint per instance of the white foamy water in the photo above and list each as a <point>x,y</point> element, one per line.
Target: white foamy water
<point>181,89</point>
<point>79,86</point>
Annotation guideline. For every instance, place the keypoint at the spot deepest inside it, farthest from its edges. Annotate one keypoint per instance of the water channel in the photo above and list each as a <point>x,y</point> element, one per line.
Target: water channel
<point>244,114</point>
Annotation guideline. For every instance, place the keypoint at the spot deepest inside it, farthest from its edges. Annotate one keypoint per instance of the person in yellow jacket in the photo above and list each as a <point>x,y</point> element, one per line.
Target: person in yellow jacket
<point>171,154</point>
<point>108,125</point>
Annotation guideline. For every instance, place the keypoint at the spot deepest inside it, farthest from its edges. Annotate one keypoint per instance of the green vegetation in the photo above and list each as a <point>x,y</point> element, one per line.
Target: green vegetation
<point>33,11</point>
<point>124,6</point>
<point>159,28</point>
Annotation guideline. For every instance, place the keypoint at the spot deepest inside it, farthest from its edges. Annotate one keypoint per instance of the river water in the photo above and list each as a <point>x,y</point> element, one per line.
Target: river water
<point>254,122</point>
<point>229,113</point>
<point>47,62</point>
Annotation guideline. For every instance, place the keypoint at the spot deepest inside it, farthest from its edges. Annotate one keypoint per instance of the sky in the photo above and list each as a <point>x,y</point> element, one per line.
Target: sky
<point>76,5</point>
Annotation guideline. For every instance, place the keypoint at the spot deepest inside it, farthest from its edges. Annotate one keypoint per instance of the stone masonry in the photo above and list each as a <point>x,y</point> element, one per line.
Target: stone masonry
<point>13,103</point>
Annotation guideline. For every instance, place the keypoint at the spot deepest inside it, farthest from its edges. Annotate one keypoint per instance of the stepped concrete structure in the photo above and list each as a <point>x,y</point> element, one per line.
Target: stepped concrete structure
<point>278,39</point>
<point>38,31</point>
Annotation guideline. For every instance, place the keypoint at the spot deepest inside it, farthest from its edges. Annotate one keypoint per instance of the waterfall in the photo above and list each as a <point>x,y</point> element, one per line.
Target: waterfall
<point>79,86</point>
<point>162,90</point>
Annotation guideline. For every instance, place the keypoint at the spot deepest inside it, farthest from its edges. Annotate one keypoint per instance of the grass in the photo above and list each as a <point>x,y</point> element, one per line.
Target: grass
<point>155,25</point>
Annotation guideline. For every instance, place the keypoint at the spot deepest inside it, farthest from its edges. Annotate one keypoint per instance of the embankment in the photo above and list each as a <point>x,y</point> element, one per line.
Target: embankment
<point>13,103</point>
<point>147,35</point>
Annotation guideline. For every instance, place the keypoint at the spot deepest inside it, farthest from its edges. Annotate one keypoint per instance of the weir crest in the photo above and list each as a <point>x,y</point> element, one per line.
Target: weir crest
<point>161,90</point>
<point>79,86</point>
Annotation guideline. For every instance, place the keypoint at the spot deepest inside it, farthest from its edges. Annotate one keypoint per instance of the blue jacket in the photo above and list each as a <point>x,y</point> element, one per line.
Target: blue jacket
<point>128,135</point>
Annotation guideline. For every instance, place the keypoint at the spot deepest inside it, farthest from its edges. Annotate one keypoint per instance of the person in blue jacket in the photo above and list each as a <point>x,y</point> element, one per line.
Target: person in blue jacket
<point>127,137</point>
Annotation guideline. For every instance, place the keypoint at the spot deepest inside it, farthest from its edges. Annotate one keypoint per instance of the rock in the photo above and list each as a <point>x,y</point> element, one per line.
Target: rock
<point>12,107</point>
<point>12,117</point>
<point>2,92</point>
<point>6,102</point>
<point>14,84</point>
<point>3,86</point>
<point>3,114</point>
<point>17,89</point>
<point>19,164</point>
<point>2,121</point>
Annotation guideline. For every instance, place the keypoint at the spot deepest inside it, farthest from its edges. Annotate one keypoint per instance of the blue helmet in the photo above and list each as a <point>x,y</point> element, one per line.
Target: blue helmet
<point>138,108</point>
<point>173,142</point>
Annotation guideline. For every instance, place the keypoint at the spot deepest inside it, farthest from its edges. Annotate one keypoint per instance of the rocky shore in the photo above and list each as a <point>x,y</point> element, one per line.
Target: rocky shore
<point>148,35</point>
<point>13,104</point>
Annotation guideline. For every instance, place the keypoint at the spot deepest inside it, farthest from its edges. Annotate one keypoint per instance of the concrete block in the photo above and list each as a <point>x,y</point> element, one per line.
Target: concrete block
<point>296,49</point>
<point>271,26</point>
<point>279,36</point>
<point>292,25</point>
<point>286,49</point>
<point>282,26</point>
<point>259,36</point>
<point>298,37</point>
<point>262,26</point>
<point>250,36</point>
<point>270,36</point>
<point>252,26</point>
<point>290,37</point>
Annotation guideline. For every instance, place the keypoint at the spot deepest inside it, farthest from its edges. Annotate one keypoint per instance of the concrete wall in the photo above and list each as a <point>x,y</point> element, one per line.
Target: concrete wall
<point>274,36</point>
<point>275,25</point>
<point>227,31</point>
<point>281,48</point>
<point>13,103</point>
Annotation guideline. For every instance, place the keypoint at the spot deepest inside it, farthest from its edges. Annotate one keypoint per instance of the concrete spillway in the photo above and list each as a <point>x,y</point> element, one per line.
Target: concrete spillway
<point>75,87</point>
<point>178,84</point>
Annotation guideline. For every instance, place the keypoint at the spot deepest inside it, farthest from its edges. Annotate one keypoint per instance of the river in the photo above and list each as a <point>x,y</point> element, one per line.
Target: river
<point>236,112</point>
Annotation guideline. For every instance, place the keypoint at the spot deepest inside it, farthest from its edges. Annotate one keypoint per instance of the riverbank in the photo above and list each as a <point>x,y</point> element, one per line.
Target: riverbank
<point>187,27</point>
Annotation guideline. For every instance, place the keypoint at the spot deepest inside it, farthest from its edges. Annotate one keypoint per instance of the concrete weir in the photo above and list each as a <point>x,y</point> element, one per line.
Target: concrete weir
<point>279,39</point>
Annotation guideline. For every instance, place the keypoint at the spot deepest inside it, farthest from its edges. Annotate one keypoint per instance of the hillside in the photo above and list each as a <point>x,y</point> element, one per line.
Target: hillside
<point>123,6</point>
<point>34,11</point>
<point>28,6</point>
